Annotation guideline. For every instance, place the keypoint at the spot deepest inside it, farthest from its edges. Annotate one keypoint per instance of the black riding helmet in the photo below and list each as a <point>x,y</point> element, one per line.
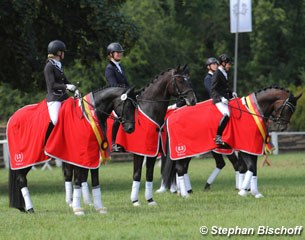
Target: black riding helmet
<point>56,46</point>
<point>210,61</point>
<point>224,58</point>
<point>114,47</point>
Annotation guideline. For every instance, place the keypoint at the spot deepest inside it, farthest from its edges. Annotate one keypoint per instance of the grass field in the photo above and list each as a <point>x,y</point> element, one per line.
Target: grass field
<point>220,209</point>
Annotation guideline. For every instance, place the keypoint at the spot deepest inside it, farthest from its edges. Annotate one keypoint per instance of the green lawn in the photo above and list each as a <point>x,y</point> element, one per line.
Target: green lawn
<point>220,209</point>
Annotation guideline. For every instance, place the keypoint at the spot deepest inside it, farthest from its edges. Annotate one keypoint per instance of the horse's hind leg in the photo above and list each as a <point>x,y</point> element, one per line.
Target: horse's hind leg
<point>186,176</point>
<point>162,188</point>
<point>220,163</point>
<point>235,163</point>
<point>85,188</point>
<point>180,167</point>
<point>96,192</point>
<point>150,164</point>
<point>18,191</point>
<point>137,171</point>
<point>68,175</point>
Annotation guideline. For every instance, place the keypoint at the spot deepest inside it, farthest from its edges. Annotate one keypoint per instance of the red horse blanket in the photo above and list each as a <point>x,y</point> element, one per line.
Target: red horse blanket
<point>75,139</point>
<point>146,140</point>
<point>26,131</point>
<point>192,129</point>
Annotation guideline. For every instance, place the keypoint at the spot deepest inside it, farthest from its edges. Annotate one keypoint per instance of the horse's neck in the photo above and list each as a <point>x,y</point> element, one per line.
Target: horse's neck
<point>155,101</point>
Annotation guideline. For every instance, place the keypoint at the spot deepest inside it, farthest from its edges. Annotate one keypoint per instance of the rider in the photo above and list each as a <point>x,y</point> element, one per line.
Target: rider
<point>221,94</point>
<point>115,76</point>
<point>57,83</point>
<point>212,65</point>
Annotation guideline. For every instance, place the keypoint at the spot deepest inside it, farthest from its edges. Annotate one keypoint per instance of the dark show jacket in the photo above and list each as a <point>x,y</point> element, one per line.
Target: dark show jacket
<point>113,75</point>
<point>220,87</point>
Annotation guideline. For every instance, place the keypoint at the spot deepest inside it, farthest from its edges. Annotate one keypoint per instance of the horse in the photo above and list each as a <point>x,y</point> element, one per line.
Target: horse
<point>90,112</point>
<point>144,142</point>
<point>272,103</point>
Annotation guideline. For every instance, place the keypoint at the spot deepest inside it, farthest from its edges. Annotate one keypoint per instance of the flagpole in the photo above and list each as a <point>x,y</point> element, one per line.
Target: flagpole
<point>236,50</point>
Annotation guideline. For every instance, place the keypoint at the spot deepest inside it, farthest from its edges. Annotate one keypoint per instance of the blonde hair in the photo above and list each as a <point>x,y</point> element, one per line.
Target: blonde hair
<point>50,55</point>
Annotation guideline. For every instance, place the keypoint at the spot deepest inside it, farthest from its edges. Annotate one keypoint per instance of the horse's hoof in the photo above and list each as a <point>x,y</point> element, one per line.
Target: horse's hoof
<point>79,211</point>
<point>102,210</point>
<point>21,209</point>
<point>31,210</point>
<point>207,187</point>
<point>136,203</point>
<point>243,193</point>
<point>161,190</point>
<point>151,202</point>
<point>190,191</point>
<point>257,195</point>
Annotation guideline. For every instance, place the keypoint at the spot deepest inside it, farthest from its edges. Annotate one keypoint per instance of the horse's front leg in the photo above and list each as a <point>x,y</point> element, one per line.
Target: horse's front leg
<point>180,169</point>
<point>137,171</point>
<point>150,165</point>
<point>186,176</point>
<point>220,163</point>
<point>250,180</point>
<point>79,174</point>
<point>96,192</point>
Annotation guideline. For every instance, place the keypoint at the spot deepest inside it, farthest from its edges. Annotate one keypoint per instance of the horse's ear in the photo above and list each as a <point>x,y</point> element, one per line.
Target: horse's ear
<point>184,67</point>
<point>130,90</point>
<point>178,68</point>
<point>300,95</point>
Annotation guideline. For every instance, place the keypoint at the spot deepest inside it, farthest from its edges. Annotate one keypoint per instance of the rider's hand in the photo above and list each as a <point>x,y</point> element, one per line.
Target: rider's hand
<point>234,94</point>
<point>77,93</point>
<point>71,87</point>
<point>224,100</point>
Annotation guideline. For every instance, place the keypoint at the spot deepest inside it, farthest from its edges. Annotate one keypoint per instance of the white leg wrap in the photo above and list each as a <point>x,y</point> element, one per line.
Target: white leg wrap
<point>97,200</point>
<point>237,179</point>
<point>68,188</point>
<point>246,184</point>
<point>254,189</point>
<point>162,188</point>
<point>135,191</point>
<point>213,175</point>
<point>241,180</point>
<point>27,198</point>
<point>77,194</point>
<point>187,182</point>
<point>86,193</point>
<point>173,187</point>
<point>148,190</point>
<point>183,191</point>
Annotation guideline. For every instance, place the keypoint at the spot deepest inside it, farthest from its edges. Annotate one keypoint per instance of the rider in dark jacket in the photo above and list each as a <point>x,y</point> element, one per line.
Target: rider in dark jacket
<point>211,64</point>
<point>221,94</point>
<point>115,75</point>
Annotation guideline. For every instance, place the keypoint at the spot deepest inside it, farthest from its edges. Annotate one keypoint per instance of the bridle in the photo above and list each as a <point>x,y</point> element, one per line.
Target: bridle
<point>276,115</point>
<point>124,98</point>
<point>181,94</point>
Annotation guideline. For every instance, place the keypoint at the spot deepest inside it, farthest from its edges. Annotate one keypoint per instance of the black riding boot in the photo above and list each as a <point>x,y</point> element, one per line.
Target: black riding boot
<point>49,130</point>
<point>221,127</point>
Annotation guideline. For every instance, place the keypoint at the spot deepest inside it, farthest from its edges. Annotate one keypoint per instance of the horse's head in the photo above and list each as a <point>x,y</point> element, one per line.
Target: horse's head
<point>181,85</point>
<point>283,111</point>
<point>124,107</point>
<point>278,104</point>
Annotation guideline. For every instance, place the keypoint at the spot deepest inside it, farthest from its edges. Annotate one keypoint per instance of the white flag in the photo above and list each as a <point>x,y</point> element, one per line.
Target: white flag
<point>240,16</point>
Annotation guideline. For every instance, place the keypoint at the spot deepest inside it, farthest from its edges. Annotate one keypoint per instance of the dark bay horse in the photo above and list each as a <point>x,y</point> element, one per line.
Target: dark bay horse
<point>153,102</point>
<point>103,101</point>
<point>274,103</point>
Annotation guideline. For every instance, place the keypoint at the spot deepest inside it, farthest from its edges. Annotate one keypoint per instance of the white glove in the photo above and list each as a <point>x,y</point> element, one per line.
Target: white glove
<point>224,100</point>
<point>71,87</point>
<point>77,93</point>
<point>174,106</point>
<point>234,94</point>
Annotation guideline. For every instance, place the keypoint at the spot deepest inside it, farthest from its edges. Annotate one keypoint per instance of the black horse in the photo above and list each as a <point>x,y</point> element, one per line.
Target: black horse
<point>276,104</point>
<point>153,102</point>
<point>122,101</point>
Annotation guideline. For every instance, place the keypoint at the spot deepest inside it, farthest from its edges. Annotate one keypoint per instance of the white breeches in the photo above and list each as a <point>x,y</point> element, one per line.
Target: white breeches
<point>223,108</point>
<point>53,108</point>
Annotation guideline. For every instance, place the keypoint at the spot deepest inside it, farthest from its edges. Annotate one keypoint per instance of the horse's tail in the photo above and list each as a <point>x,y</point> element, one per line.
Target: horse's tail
<point>168,169</point>
<point>15,196</point>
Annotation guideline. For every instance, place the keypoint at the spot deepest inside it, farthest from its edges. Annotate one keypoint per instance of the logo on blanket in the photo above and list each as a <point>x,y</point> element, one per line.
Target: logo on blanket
<point>18,157</point>
<point>180,149</point>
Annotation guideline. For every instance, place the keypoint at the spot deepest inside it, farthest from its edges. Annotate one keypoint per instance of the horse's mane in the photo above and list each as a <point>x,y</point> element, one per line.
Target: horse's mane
<point>272,87</point>
<point>108,86</point>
